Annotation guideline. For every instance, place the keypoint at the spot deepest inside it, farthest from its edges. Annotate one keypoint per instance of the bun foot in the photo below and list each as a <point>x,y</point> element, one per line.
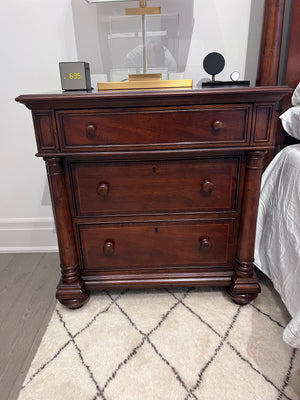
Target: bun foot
<point>243,290</point>
<point>242,299</point>
<point>72,295</point>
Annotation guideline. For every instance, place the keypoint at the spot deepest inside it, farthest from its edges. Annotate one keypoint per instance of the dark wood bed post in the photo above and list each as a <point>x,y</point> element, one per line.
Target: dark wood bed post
<point>292,74</point>
<point>270,47</point>
<point>269,59</point>
<point>270,56</point>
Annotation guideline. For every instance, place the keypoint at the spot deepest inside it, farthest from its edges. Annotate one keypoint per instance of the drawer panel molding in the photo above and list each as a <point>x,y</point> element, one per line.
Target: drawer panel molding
<point>204,185</point>
<point>91,131</point>
<point>163,244</point>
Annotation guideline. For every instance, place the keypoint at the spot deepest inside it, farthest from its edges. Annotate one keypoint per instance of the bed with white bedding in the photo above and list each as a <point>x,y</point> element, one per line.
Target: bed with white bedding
<point>277,247</point>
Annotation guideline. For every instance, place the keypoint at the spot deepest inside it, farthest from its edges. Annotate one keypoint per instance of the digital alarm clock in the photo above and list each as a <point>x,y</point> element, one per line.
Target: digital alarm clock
<point>75,75</point>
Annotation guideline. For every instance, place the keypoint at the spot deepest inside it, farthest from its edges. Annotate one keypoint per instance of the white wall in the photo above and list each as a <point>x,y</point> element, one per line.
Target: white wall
<point>35,37</point>
<point>222,27</point>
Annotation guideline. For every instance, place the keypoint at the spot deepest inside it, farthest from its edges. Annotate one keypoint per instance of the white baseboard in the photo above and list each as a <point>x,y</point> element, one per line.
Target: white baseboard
<point>27,235</point>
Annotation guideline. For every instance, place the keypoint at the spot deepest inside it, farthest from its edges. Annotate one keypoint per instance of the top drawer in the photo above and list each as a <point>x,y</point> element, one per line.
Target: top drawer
<point>211,126</point>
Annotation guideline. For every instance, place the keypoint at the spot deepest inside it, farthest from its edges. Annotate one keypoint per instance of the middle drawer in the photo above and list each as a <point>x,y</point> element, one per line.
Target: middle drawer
<point>201,185</point>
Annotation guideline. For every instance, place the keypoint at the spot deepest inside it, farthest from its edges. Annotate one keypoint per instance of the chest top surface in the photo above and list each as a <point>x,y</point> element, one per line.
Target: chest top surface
<point>134,98</point>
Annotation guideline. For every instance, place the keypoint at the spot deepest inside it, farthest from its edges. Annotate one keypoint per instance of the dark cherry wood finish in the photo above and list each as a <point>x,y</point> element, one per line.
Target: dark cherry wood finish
<point>272,54</point>
<point>71,291</point>
<point>156,188</point>
<point>270,47</point>
<point>292,74</point>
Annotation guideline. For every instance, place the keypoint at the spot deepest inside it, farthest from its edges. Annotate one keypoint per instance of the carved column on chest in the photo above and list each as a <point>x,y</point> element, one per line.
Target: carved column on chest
<point>244,285</point>
<point>70,290</point>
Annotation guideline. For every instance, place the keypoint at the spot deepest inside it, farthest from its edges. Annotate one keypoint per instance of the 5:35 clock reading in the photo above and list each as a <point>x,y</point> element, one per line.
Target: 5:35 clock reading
<point>74,75</point>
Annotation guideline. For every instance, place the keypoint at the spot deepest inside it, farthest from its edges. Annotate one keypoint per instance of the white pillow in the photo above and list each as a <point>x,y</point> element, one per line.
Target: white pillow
<point>291,121</point>
<point>296,96</point>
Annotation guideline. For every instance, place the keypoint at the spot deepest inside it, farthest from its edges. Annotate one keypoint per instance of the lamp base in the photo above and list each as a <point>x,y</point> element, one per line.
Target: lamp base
<point>146,81</point>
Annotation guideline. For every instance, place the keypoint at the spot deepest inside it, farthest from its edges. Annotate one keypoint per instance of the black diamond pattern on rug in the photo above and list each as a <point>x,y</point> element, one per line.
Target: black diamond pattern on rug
<point>166,344</point>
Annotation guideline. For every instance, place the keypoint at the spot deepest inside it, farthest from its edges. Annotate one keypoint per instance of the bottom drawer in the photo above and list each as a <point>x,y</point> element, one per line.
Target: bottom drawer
<point>162,244</point>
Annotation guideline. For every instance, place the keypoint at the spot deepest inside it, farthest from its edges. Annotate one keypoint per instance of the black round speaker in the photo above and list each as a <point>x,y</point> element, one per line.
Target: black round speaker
<point>213,63</point>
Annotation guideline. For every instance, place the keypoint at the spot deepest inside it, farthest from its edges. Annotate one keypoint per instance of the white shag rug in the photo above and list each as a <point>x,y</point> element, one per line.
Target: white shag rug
<point>166,344</point>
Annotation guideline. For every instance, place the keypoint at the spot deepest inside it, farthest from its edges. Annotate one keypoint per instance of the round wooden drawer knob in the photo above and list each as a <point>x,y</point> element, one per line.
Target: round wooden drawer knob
<point>90,131</point>
<point>207,186</point>
<point>103,190</point>
<point>205,244</point>
<point>108,248</point>
<point>217,125</point>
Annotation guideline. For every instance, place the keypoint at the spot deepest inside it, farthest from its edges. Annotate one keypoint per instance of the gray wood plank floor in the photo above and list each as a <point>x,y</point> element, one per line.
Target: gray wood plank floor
<point>27,301</point>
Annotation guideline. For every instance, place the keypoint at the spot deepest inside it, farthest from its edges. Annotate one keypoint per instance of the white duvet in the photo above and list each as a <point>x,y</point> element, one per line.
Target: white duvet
<point>277,247</point>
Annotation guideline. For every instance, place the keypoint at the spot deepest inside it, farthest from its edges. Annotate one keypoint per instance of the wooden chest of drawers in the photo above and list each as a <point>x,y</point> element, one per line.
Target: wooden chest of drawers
<point>155,188</point>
